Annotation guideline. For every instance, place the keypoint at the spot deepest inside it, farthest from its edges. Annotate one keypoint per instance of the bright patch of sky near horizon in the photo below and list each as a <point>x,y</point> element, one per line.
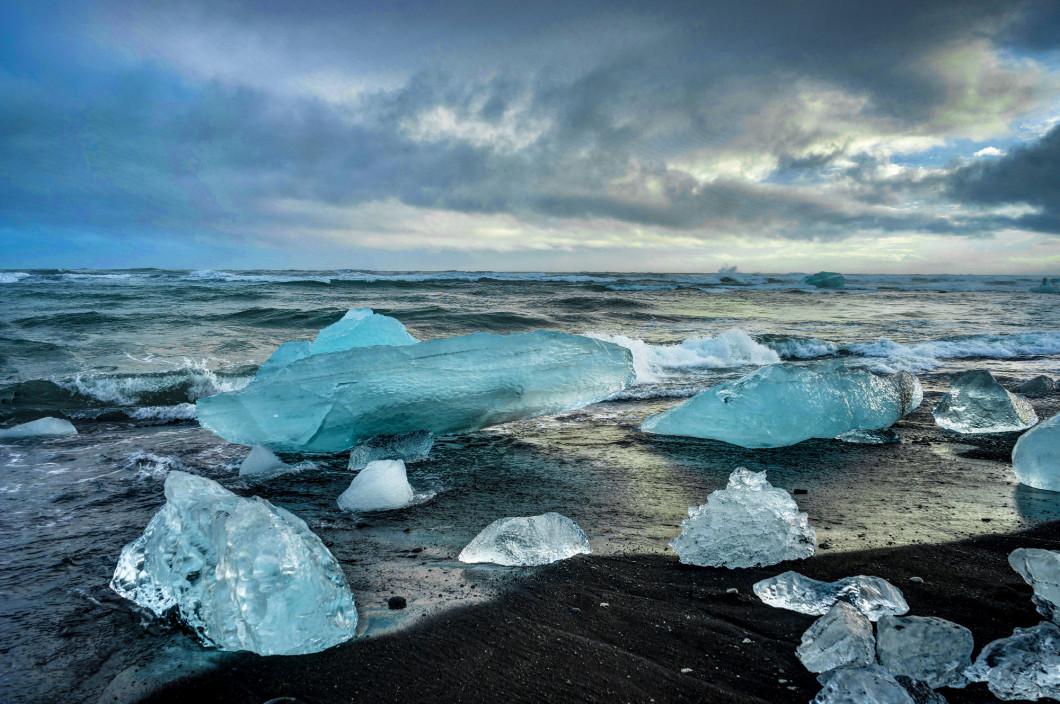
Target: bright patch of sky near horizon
<point>912,137</point>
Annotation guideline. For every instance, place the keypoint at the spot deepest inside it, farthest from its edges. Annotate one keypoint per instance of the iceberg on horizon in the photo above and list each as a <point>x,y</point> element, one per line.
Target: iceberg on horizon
<point>824,279</point>
<point>331,402</point>
<point>242,573</point>
<point>749,523</point>
<point>976,403</point>
<point>39,428</point>
<point>527,541</point>
<point>359,327</point>
<point>781,405</point>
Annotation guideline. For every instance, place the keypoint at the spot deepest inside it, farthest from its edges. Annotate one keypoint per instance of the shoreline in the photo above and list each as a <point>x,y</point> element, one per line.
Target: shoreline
<point>529,644</point>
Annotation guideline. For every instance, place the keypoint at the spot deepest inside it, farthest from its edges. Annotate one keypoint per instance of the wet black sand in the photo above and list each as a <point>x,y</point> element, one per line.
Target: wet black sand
<point>622,629</point>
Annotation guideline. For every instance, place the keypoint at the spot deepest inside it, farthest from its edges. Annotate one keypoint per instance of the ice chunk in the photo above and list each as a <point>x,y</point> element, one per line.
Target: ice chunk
<point>862,685</point>
<point>1038,385</point>
<point>39,427</point>
<point>840,638</point>
<point>824,279</point>
<point>976,403</point>
<point>1036,456</point>
<point>932,650</point>
<point>920,691</point>
<point>361,328</point>
<point>331,402</point>
<point>872,596</point>
<point>407,448</point>
<point>526,541</point>
<point>869,437</point>
<point>1026,665</point>
<point>383,485</point>
<point>781,405</point>
<point>1040,569</point>
<point>242,573</point>
<point>261,460</point>
<point>749,523</point>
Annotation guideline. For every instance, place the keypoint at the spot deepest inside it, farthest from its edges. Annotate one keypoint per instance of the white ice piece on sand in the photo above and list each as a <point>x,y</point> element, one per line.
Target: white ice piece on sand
<point>1026,665</point>
<point>862,685</point>
<point>263,464</point>
<point>39,428</point>
<point>383,485</point>
<point>1036,456</point>
<point>781,405</point>
<point>360,327</point>
<point>408,447</point>
<point>331,402</point>
<point>527,541</point>
<point>840,638</point>
<point>872,596</point>
<point>976,403</point>
<point>749,523</point>
<point>242,573</point>
<point>932,650</point>
<point>1041,570</point>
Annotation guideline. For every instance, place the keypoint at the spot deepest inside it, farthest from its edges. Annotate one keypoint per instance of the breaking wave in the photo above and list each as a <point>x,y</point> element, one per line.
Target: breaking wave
<point>925,356</point>
<point>12,277</point>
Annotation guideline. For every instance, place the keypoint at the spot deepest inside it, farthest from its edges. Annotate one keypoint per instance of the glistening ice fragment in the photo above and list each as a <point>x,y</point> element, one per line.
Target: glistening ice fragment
<point>749,523</point>
<point>872,596</point>
<point>331,402</point>
<point>527,541</point>
<point>1026,665</point>
<point>781,405</point>
<point>383,485</point>
<point>242,573</point>
<point>976,403</point>
<point>1036,456</point>
<point>40,427</point>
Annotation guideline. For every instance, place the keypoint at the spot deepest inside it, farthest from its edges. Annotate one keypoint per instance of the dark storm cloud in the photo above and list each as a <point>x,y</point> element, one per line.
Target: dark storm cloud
<point>145,142</point>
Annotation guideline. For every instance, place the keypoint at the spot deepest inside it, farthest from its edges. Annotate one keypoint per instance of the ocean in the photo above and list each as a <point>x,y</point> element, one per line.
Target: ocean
<point>124,354</point>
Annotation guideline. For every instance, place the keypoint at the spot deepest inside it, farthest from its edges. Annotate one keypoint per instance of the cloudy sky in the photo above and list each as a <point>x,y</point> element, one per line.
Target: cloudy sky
<point>668,136</point>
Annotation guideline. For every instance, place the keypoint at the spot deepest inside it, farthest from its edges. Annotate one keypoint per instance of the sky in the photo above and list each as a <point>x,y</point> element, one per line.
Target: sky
<point>862,137</point>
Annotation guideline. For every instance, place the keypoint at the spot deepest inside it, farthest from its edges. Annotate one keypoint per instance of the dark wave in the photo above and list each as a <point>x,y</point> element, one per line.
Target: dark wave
<point>85,319</point>
<point>281,317</point>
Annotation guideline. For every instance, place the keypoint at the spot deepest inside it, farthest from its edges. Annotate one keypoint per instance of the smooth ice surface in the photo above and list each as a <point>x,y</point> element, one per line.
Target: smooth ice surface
<point>1036,456</point>
<point>824,279</point>
<point>749,523</point>
<point>840,638</point>
<point>261,460</point>
<point>331,402</point>
<point>781,405</point>
<point>407,448</point>
<point>1041,570</point>
<point>1038,385</point>
<point>242,573</point>
<point>862,685</point>
<point>526,541</point>
<point>932,650</point>
<point>360,327</point>
<point>872,596</point>
<point>976,403</point>
<point>381,486</point>
<point>39,427</point>
<point>1026,665</point>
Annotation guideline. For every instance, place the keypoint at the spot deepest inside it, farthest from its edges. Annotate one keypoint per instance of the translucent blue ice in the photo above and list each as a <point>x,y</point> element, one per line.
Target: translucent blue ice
<point>242,573</point>
<point>824,279</point>
<point>976,403</point>
<point>527,540</point>
<point>1036,456</point>
<point>40,427</point>
<point>331,402</point>
<point>781,405</point>
<point>360,327</point>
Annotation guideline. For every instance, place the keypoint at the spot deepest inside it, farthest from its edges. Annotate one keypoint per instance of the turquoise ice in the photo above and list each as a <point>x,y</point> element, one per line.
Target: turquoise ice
<point>824,279</point>
<point>40,427</point>
<point>242,573</point>
<point>360,327</point>
<point>333,401</point>
<point>781,405</point>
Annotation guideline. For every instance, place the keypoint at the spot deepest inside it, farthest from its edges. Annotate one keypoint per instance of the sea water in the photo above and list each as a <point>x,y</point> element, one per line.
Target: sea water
<point>125,354</point>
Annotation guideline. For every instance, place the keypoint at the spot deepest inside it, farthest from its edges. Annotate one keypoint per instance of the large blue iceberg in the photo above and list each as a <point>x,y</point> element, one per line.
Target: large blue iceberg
<point>781,405</point>
<point>242,573</point>
<point>330,402</point>
<point>360,327</point>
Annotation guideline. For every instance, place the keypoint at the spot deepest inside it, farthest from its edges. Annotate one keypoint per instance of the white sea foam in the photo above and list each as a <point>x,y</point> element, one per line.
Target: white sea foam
<point>148,465</point>
<point>132,389</point>
<point>213,275</point>
<point>182,411</point>
<point>12,277</point>
<point>733,348</point>
<point>925,356</point>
